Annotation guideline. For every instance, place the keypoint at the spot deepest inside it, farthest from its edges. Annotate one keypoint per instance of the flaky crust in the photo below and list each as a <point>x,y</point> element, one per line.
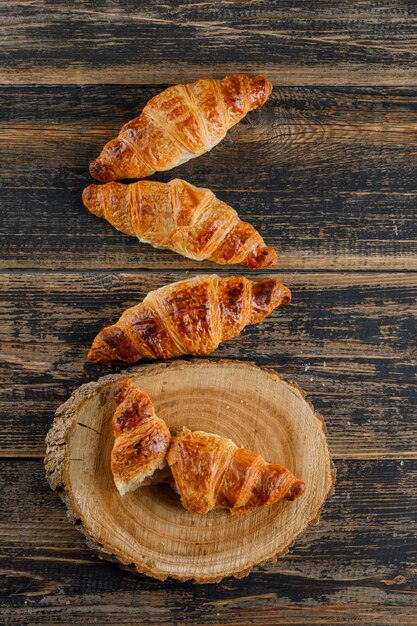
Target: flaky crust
<point>212,472</point>
<point>181,217</point>
<point>189,317</point>
<point>141,439</point>
<point>178,124</point>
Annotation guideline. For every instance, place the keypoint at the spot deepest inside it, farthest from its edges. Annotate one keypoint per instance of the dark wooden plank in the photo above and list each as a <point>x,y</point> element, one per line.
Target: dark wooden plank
<point>293,41</point>
<point>355,567</point>
<point>348,339</point>
<point>106,107</point>
<point>333,187</point>
<point>51,229</point>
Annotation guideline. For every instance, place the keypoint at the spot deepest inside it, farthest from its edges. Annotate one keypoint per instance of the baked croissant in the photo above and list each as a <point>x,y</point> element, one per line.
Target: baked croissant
<point>181,217</point>
<point>179,124</point>
<point>141,440</point>
<point>189,317</point>
<point>211,472</point>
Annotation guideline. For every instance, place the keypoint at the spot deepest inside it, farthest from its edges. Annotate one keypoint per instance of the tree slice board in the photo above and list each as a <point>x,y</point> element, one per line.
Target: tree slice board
<point>148,528</point>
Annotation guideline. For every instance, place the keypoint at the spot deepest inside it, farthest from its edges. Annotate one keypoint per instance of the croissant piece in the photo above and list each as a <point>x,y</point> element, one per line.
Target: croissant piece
<point>189,317</point>
<point>211,472</point>
<point>181,217</point>
<point>178,124</point>
<point>141,441</point>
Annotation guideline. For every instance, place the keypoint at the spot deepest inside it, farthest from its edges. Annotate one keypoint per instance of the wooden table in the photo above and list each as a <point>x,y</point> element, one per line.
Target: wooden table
<point>327,173</point>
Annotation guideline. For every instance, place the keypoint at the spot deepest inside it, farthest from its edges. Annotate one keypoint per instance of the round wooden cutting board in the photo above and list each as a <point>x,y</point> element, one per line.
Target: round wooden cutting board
<point>148,528</point>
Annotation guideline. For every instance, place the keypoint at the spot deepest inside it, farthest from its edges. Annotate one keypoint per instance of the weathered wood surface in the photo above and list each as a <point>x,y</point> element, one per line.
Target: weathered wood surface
<point>294,42</point>
<point>326,171</point>
<point>356,567</point>
<point>333,186</point>
<point>348,339</point>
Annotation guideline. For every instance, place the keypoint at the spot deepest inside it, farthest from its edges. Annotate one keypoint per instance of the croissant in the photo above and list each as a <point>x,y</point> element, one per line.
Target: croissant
<point>189,317</point>
<point>181,217</point>
<point>211,472</point>
<point>141,441</point>
<point>179,124</point>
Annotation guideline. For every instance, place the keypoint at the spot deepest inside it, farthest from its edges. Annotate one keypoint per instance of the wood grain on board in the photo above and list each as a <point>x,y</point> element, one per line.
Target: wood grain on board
<point>326,175</point>
<point>249,405</point>
<point>294,42</point>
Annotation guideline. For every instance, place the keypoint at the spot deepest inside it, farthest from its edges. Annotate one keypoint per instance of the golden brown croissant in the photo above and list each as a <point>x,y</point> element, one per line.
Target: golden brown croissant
<point>189,317</point>
<point>179,124</point>
<point>212,472</point>
<point>141,439</point>
<point>181,217</point>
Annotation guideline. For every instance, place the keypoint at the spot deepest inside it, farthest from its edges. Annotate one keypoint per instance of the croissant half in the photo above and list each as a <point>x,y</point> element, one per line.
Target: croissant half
<point>178,124</point>
<point>212,472</point>
<point>181,217</point>
<point>141,440</point>
<point>189,317</point>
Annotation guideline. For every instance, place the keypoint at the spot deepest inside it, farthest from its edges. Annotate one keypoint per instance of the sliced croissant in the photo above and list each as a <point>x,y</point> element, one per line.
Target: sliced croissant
<point>141,440</point>
<point>181,217</point>
<point>178,124</point>
<point>189,317</point>
<point>212,472</point>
